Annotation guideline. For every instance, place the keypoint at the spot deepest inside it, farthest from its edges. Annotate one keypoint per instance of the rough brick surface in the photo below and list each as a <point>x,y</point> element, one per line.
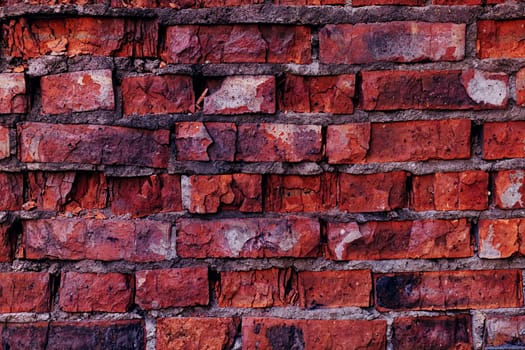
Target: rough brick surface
<point>205,141</point>
<point>500,39</point>
<point>509,192</point>
<point>505,331</point>
<point>393,41</point>
<point>158,289</point>
<point>7,243</point>
<point>4,142</point>
<point>77,239</point>
<point>501,238</point>
<point>87,292</point>
<point>248,238</point>
<point>25,292</point>
<point>449,290</point>
<point>92,144</point>
<point>429,239</point>
<point>503,140</point>
<point>12,186</point>
<point>276,333</point>
<point>13,97</point>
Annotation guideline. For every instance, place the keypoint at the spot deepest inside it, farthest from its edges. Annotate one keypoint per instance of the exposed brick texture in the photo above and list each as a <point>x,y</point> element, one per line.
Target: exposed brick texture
<point>13,91</point>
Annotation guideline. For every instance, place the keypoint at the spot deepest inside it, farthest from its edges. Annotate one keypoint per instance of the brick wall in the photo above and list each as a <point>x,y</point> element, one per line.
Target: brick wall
<point>262,174</point>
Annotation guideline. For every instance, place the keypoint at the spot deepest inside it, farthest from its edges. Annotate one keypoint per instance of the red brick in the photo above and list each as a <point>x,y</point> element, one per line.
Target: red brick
<point>509,190</point>
<point>500,39</point>
<point>205,141</point>
<point>81,36</point>
<point>195,333</point>
<point>257,289</point>
<point>78,239</point>
<point>294,193</point>
<point>308,2</point>
<point>8,236</point>
<point>68,191</point>
<point>52,2</point>
<point>504,331</point>
<point>93,144</point>
<point>237,44</point>
<point>213,193</point>
<point>5,149</point>
<point>441,332</point>
<point>141,196</point>
<point>332,289</point>
<point>88,292</point>
<point>12,189</point>
<point>457,2</point>
<point>466,190</point>
<point>391,42</point>
<point>158,95</point>
<point>248,238</point>
<point>275,333</point>
<point>398,142</point>
<point>451,89</point>
<point>24,292</point>
<point>503,140</point>
<point>520,87</point>
<point>324,94</point>
<point>77,92</point>
<point>181,4</point>
<point>387,2</point>
<point>501,238</point>
<point>13,97</point>
<point>159,289</point>
<point>372,193</point>
<point>427,239</point>
<point>113,334</point>
<point>241,94</point>
<point>449,290</point>
<point>19,336</point>
<point>279,143</point>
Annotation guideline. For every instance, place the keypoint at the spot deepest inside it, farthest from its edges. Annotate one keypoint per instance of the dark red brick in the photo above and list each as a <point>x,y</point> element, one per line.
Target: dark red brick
<point>8,235</point>
<point>13,97</point>
<point>205,141</point>
<point>503,140</point>
<point>248,238</point>
<point>387,2</point>
<point>141,196</point>
<point>505,331</point>
<point>78,239</point>
<point>181,4</point>
<point>24,292</point>
<point>308,2</point>
<point>20,336</point>
<point>278,143</point>
<point>12,189</point>
<point>449,290</point>
<point>213,193</point>
<point>159,289</point>
<point>427,239</point>
<point>452,89</point>
<point>500,39</point>
<point>391,42</point>
<point>93,144</point>
<point>5,148</point>
<point>158,95</point>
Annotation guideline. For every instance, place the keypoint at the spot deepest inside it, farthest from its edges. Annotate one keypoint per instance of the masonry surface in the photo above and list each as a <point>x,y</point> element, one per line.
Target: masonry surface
<point>262,174</point>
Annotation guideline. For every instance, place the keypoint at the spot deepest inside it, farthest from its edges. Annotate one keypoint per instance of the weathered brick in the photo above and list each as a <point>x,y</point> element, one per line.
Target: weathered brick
<point>93,144</point>
<point>212,193</point>
<point>12,189</point>
<point>391,42</point>
<point>159,289</point>
<point>458,2</point>
<point>78,239</point>
<point>275,333</point>
<point>505,331</point>
<point>500,39</point>
<point>141,196</point>
<point>501,238</point>
<point>398,142</point>
<point>87,292</point>
<point>81,36</point>
<point>451,89</point>
<point>8,235</point>
<point>449,290</point>
<point>278,143</point>
<point>24,292</point>
<point>114,334</point>
<point>427,239</point>
<point>309,2</point>
<point>294,193</point>
<point>52,2</point>
<point>241,94</point>
<point>341,288</point>
<point>68,191</point>
<point>205,141</point>
<point>319,94</point>
<point>24,335</point>
<point>237,44</point>
<point>158,95</point>
<point>503,140</point>
<point>466,190</point>
<point>195,333</point>
<point>248,238</point>
<point>373,192</point>
<point>77,92</point>
<point>257,289</point>
<point>181,4</point>
<point>509,190</point>
<point>520,87</point>
<point>387,2</point>
<point>4,142</point>
<point>441,332</point>
<point>13,97</point>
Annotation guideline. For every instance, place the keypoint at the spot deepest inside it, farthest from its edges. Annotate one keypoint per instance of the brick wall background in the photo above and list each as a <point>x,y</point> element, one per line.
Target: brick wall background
<point>262,174</point>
